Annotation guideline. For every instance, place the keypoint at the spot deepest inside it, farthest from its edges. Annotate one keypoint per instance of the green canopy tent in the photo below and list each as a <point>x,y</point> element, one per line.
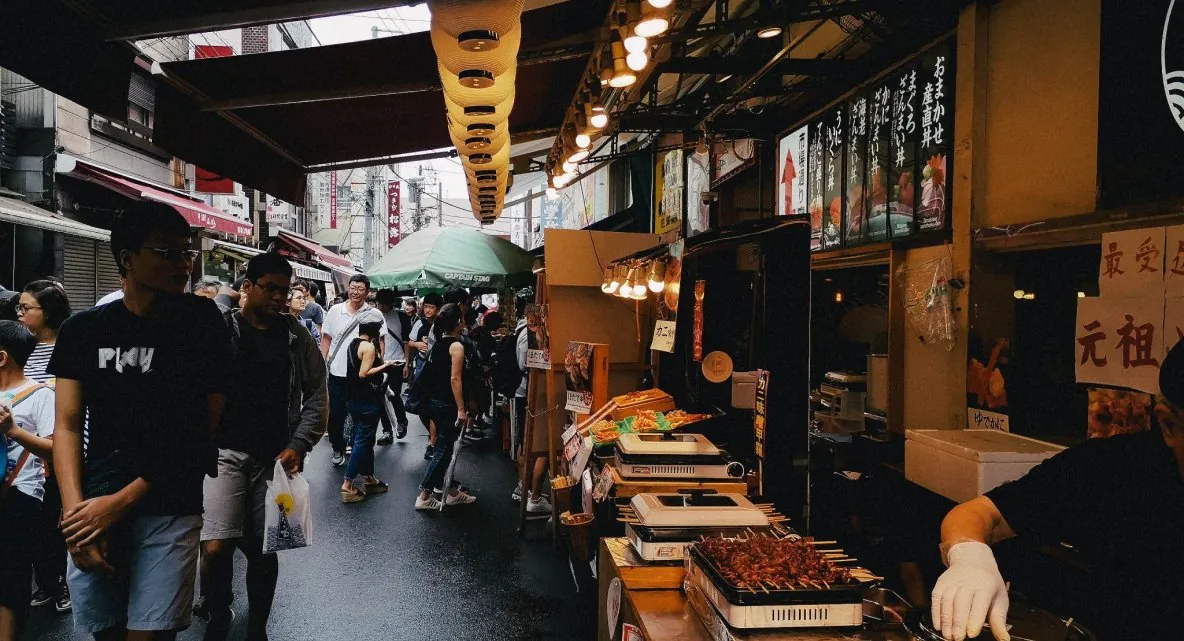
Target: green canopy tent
<point>442,256</point>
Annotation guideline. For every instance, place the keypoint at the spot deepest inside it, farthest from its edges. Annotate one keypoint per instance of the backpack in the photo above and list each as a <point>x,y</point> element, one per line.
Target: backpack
<point>507,377</point>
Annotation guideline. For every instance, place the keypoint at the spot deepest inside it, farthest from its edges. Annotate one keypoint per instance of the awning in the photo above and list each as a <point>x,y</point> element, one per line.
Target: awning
<point>196,212</point>
<point>22,213</point>
<point>311,273</point>
<point>241,252</point>
<point>315,251</point>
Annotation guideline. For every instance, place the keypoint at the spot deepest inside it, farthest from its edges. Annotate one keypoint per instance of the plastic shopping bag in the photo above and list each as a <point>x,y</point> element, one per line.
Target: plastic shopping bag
<point>287,515</point>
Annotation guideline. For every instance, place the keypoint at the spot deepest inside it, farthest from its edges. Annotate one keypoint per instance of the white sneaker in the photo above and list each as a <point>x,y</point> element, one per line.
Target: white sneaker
<point>516,495</point>
<point>460,498</point>
<point>540,506</point>
<point>430,503</point>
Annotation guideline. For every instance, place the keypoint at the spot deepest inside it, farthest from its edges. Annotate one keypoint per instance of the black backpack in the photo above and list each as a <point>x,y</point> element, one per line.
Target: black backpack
<point>506,375</point>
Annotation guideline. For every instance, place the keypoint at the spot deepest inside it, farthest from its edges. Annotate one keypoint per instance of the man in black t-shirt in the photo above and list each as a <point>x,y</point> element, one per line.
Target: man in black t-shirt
<point>276,410</point>
<point>1119,502</point>
<point>148,370</point>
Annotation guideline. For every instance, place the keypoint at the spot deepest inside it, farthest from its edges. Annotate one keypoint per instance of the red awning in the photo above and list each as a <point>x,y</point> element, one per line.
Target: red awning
<point>316,251</point>
<point>196,212</point>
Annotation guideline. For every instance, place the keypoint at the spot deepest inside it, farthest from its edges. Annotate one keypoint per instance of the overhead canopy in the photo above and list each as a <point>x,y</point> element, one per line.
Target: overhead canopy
<point>267,119</point>
<point>442,256</point>
<point>22,213</point>
<point>314,251</point>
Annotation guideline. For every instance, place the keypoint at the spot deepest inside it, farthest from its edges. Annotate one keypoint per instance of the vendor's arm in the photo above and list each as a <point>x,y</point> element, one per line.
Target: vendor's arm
<point>975,520</point>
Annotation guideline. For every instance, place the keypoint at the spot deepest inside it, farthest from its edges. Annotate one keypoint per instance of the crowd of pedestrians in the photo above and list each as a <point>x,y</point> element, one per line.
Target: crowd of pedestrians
<point>140,434</point>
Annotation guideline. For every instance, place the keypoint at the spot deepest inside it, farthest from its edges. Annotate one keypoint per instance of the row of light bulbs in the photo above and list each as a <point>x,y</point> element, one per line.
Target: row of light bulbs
<point>477,53</point>
<point>629,50</point>
<point>635,280</point>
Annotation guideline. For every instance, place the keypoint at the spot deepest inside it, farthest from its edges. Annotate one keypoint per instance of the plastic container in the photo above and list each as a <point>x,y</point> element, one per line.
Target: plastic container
<point>963,464</point>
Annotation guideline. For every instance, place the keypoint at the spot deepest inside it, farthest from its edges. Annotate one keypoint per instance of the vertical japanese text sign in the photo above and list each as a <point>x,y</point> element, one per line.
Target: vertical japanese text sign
<point>332,200</point>
<point>761,412</point>
<point>394,211</point>
<point>1173,285</point>
<point>700,291</point>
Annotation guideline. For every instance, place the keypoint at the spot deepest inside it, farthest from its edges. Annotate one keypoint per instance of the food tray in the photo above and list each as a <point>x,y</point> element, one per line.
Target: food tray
<point>846,593</point>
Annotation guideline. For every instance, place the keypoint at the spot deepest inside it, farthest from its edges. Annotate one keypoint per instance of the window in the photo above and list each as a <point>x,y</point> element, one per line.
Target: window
<point>139,115</point>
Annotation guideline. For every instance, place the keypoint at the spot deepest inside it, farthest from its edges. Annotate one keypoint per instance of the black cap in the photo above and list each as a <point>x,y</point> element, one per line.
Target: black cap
<point>1171,376</point>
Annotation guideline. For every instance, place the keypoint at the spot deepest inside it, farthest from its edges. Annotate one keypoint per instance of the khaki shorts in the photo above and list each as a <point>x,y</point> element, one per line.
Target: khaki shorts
<point>234,500</point>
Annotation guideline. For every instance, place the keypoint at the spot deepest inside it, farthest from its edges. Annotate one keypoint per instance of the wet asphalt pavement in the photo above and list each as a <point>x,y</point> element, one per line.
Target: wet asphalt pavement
<point>380,571</point>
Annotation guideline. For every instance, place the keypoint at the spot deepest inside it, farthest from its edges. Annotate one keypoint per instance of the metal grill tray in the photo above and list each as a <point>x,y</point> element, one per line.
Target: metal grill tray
<point>692,533</point>
<point>847,593</point>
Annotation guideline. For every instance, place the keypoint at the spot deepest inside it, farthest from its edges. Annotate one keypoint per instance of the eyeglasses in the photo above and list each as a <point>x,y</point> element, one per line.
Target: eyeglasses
<point>23,309</point>
<point>274,290</point>
<point>361,289</point>
<point>173,254</point>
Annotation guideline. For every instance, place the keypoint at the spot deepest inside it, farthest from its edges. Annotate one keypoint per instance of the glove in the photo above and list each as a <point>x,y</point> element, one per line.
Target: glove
<point>970,592</point>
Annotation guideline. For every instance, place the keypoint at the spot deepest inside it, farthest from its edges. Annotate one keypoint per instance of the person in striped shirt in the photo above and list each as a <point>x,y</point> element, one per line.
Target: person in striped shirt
<point>43,307</point>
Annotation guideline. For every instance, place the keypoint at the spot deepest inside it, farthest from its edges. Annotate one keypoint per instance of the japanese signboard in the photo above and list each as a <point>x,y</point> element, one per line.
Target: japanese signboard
<point>1120,341</point>
<point>332,200</point>
<point>1173,321</point>
<point>668,182</point>
<point>816,184</point>
<point>937,132</point>
<point>732,157</point>
<point>698,182</point>
<point>832,170</point>
<point>1132,263</point>
<point>664,328</point>
<point>760,412</point>
<point>586,365</point>
<point>902,176</point>
<point>394,213</point>
<point>857,112</point>
<point>879,139</point>
<point>700,292</point>
<point>791,172</point>
<point>538,338</point>
<point>1173,267</point>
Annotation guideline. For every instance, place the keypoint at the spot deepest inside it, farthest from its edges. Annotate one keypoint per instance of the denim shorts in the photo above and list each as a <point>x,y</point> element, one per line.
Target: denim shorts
<point>155,561</point>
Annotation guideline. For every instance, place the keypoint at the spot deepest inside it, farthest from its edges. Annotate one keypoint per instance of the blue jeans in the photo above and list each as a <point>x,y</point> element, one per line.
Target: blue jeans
<point>365,418</point>
<point>446,433</point>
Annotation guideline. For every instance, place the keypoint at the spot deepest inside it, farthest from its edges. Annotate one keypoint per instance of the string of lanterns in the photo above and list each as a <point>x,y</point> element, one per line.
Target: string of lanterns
<point>617,62</point>
<point>635,279</point>
<point>476,44</point>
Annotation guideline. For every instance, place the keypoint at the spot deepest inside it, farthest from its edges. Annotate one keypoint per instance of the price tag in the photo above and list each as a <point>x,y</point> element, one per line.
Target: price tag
<point>664,336</point>
<point>604,484</point>
<point>571,447</point>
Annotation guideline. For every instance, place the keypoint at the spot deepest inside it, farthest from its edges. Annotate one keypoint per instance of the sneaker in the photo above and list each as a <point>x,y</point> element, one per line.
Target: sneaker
<point>349,451</point>
<point>473,435</point>
<point>338,459</point>
<point>516,495</point>
<point>40,598</point>
<point>63,603</point>
<point>460,498</point>
<point>401,430</point>
<point>430,503</point>
<point>201,610</point>
<point>427,454</point>
<point>539,506</point>
<point>386,439</point>
<point>218,628</point>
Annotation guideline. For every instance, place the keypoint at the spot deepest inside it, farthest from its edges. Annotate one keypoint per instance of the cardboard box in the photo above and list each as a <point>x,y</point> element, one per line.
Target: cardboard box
<point>963,464</point>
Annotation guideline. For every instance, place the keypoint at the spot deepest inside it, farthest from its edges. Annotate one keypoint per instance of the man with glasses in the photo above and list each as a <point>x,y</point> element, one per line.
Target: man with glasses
<point>339,330</point>
<point>149,371</point>
<point>276,410</point>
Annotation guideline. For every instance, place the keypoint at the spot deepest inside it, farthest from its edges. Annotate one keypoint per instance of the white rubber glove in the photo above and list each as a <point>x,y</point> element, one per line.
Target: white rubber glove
<point>970,593</point>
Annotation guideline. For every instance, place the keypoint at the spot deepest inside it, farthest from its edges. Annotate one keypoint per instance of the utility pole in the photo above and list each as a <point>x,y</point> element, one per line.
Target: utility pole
<point>440,204</point>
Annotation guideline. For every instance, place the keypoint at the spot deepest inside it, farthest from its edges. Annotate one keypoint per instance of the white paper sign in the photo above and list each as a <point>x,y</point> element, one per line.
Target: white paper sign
<point>664,336</point>
<point>581,459</point>
<point>1132,262</point>
<point>1120,341</point>
<point>1173,262</point>
<point>612,604</point>
<point>579,402</point>
<point>977,419</point>
<point>1173,322</point>
<point>538,359</point>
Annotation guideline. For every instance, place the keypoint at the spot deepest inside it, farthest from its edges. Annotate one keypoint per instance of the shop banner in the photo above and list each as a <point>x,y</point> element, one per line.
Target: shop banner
<point>1132,263</point>
<point>668,197</point>
<point>879,139</point>
<point>853,220</point>
<point>761,412</point>
<point>902,176</point>
<point>666,325</point>
<point>1173,268</point>
<point>332,200</point>
<point>791,167</point>
<point>1173,321</point>
<point>394,213</point>
<point>698,183</point>
<point>833,166</point>
<point>1120,341</point>
<point>538,338</point>
<point>587,376</point>
<point>937,133</point>
<point>816,184</point>
<point>700,292</point>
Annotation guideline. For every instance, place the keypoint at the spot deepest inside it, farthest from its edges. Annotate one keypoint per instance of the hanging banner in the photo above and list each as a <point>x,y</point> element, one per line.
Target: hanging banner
<point>332,200</point>
<point>833,201</point>
<point>538,337</point>
<point>700,291</point>
<point>587,376</point>
<point>816,184</point>
<point>394,213</point>
<point>902,176</point>
<point>664,328</point>
<point>698,183</point>
<point>1132,263</point>
<point>879,140</point>
<point>791,167</point>
<point>668,202</point>
<point>937,132</point>
<point>761,412</point>
<point>855,218</point>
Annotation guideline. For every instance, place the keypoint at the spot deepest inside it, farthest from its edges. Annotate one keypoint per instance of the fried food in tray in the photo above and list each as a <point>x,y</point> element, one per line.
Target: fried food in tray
<point>605,431</point>
<point>646,421</point>
<point>678,418</point>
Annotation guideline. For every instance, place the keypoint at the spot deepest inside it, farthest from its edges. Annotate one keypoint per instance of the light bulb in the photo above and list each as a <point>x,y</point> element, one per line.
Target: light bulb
<point>652,24</point>
<point>838,297</point>
<point>1019,294</point>
<point>607,286</point>
<point>660,4</point>
<point>657,280</point>
<point>578,155</point>
<point>1081,294</point>
<point>635,43</point>
<point>568,167</point>
<point>583,141</point>
<point>625,290</point>
<point>769,32</point>
<point>637,60</point>
<point>622,79</point>
<point>599,120</point>
<point>639,292</point>
<point>614,281</point>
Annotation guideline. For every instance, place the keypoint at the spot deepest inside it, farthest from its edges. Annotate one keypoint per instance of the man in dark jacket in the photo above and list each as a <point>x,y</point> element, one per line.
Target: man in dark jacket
<point>276,410</point>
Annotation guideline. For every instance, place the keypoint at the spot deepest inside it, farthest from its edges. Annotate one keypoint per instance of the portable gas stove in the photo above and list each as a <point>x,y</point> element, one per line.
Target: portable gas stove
<point>655,455</point>
<point>665,524</point>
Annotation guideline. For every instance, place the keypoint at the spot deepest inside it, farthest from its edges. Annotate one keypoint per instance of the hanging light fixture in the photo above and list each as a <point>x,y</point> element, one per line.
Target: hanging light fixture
<point>771,31</point>
<point>660,4</point>
<point>637,60</point>
<point>633,42</point>
<point>622,77</point>
<point>476,78</point>
<point>653,22</point>
<point>626,288</point>
<point>639,291</point>
<point>657,279</point>
<point>596,115</point>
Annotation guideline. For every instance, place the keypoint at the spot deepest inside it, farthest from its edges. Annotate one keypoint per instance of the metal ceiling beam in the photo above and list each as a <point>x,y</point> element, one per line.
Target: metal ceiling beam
<point>718,66</point>
<point>783,14</point>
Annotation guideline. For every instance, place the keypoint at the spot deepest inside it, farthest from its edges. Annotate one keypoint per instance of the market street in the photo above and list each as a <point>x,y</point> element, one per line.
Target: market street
<point>379,571</point>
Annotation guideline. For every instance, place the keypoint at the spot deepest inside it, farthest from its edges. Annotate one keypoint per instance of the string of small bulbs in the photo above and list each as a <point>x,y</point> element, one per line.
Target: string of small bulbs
<point>628,50</point>
<point>635,279</point>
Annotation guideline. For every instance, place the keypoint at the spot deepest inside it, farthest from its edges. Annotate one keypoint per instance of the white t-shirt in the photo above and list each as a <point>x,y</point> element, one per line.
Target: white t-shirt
<point>110,298</point>
<point>394,337</point>
<point>337,319</point>
<point>35,415</point>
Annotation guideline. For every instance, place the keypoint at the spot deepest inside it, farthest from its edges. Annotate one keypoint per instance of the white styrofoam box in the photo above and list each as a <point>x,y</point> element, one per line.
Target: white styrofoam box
<point>963,464</point>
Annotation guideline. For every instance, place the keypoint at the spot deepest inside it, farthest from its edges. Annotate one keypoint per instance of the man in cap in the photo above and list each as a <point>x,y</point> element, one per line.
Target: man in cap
<point>1118,501</point>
